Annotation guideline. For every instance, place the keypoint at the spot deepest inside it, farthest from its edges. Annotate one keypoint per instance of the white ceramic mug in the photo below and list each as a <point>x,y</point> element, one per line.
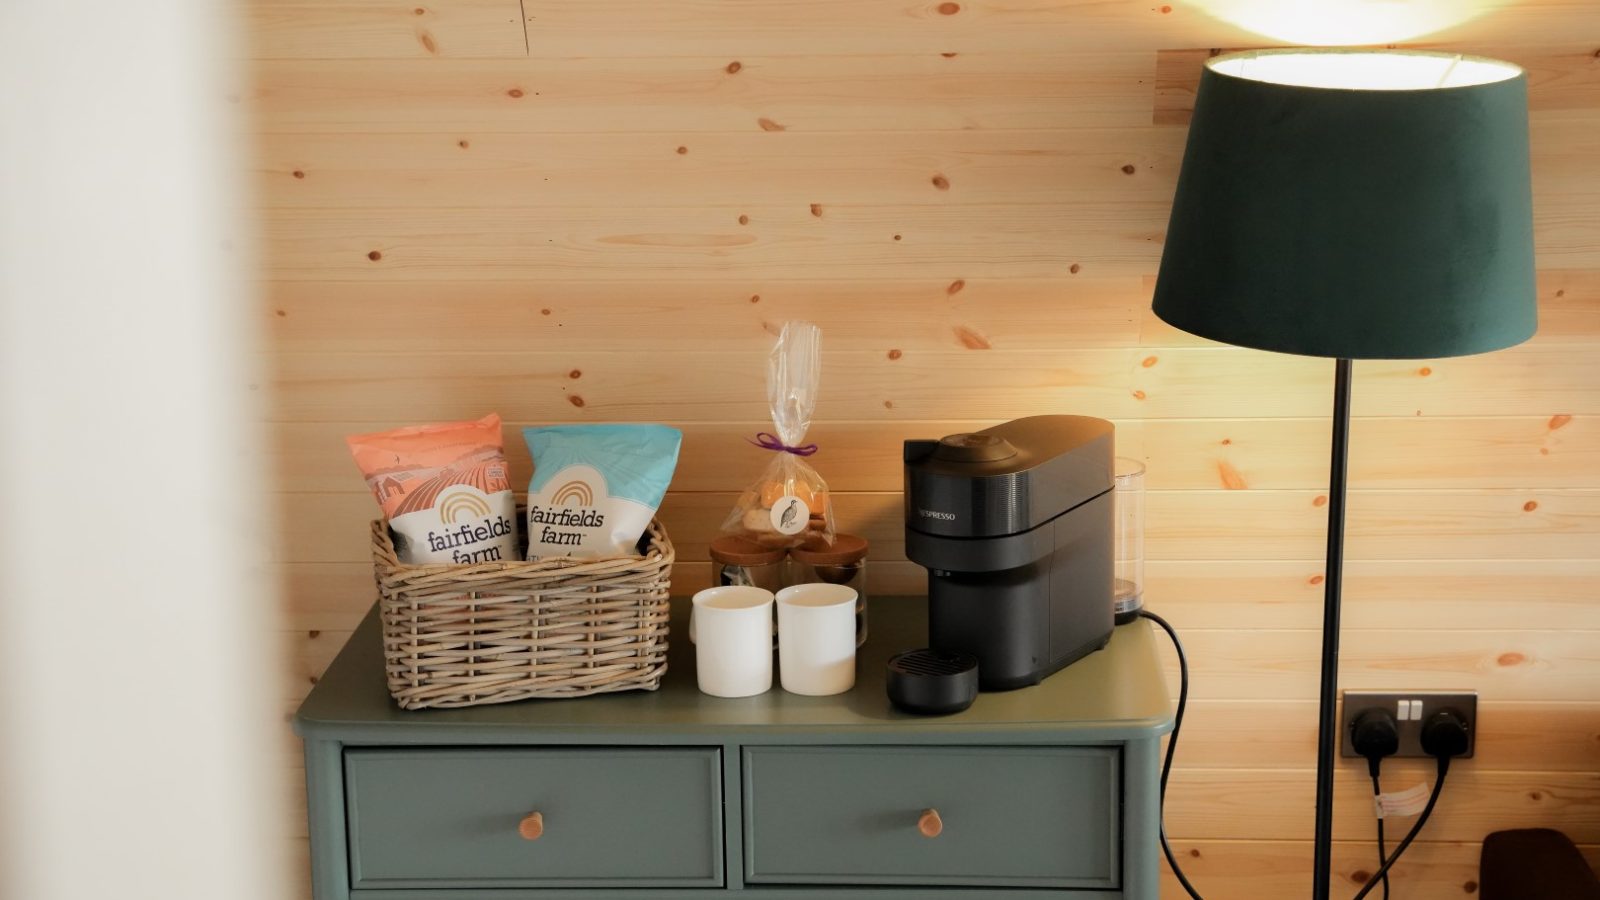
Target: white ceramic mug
<point>733,641</point>
<point>817,638</point>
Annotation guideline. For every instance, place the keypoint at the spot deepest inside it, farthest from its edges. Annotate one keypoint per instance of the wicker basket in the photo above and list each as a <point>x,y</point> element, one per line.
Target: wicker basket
<point>498,632</point>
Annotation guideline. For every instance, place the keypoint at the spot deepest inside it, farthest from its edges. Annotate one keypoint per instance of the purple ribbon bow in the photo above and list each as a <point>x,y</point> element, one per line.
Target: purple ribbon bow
<point>768,441</point>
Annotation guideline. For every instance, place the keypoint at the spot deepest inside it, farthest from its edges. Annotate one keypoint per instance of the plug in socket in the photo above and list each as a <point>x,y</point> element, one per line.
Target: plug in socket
<point>1410,709</point>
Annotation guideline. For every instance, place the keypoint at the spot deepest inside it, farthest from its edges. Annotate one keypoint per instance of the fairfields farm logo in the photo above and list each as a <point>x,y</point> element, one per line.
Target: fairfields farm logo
<point>571,507</point>
<point>468,520</point>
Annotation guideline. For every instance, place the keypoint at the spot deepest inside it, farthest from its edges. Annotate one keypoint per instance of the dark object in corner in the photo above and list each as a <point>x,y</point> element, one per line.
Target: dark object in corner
<point>1534,864</point>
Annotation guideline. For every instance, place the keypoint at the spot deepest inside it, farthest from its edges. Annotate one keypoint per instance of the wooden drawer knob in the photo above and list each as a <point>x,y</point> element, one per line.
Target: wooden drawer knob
<point>930,824</point>
<point>532,827</point>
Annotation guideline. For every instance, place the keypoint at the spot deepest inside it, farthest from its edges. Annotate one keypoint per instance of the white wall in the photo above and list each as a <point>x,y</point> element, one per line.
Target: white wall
<point>137,734</point>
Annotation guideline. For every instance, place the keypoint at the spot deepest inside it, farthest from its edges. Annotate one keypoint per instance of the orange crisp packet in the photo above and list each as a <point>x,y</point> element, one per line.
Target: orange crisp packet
<point>444,489</point>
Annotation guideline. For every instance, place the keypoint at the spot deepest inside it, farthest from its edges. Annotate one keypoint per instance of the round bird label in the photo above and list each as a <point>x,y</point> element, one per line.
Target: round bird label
<point>790,515</point>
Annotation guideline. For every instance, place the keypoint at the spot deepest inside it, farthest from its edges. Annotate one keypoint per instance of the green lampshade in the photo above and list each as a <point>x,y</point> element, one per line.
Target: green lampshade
<point>1360,204</point>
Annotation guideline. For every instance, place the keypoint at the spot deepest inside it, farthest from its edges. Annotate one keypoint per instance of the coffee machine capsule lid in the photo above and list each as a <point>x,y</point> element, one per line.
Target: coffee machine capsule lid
<point>932,682</point>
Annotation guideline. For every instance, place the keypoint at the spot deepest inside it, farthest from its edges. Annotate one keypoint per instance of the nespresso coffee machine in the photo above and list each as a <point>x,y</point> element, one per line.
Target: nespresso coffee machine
<point>1014,524</point>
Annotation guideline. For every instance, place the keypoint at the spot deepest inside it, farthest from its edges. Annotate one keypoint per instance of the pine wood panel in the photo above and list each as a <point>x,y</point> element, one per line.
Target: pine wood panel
<point>695,95</point>
<point>315,29</point>
<point>545,384</point>
<point>834,233</point>
<point>1234,804</point>
<point>792,169</point>
<point>923,313</point>
<point>1180,454</point>
<point>378,29</point>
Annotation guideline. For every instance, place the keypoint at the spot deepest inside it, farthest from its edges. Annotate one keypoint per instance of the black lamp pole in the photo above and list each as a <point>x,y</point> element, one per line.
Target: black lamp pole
<point>1328,719</point>
<point>1352,204</point>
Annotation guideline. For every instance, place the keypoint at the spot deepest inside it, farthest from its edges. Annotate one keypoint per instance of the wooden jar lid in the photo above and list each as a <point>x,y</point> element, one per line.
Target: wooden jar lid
<point>733,550</point>
<point>845,550</point>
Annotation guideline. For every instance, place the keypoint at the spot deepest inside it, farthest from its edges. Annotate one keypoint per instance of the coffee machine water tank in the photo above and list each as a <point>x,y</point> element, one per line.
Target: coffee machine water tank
<point>1014,524</point>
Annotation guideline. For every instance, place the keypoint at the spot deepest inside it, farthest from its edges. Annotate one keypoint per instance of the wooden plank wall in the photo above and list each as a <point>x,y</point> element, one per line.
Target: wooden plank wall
<point>595,210</point>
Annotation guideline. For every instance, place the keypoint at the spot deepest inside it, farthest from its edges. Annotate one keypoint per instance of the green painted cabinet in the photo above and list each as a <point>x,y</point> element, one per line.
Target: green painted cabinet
<point>1049,791</point>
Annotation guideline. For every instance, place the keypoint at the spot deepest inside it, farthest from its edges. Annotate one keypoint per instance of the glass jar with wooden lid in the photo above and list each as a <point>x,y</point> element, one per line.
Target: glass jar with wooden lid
<point>844,561</point>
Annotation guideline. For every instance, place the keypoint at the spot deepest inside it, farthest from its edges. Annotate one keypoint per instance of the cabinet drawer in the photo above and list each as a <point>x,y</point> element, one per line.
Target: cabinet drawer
<point>611,817</point>
<point>1013,817</point>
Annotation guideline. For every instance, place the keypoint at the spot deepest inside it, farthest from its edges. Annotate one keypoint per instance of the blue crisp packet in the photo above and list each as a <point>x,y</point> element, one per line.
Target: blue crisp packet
<point>595,488</point>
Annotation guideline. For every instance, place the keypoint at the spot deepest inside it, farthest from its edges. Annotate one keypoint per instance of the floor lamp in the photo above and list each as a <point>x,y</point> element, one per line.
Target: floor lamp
<point>1352,204</point>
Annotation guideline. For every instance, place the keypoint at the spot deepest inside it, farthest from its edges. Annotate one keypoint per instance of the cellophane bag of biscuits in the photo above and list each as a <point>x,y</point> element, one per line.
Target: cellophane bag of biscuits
<point>789,505</point>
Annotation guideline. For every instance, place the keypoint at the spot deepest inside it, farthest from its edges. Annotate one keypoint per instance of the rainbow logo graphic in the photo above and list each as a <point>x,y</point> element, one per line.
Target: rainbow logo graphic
<point>573,493</point>
<point>462,505</point>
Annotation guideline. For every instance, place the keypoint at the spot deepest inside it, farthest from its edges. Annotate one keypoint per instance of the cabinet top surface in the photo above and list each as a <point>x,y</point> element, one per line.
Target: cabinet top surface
<point>1116,694</point>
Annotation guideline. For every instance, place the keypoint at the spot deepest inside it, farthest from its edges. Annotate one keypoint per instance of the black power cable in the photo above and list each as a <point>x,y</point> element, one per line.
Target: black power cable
<point>1382,854</point>
<point>1444,735</point>
<point>1433,798</point>
<point>1172,746</point>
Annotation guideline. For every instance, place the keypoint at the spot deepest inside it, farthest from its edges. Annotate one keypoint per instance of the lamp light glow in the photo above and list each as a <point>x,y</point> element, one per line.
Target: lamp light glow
<point>1345,22</point>
<point>1392,70</point>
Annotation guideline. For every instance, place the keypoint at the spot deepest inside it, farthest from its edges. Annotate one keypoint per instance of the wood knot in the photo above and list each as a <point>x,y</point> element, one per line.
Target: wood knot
<point>769,125</point>
<point>970,338</point>
<point>1128,169</point>
<point>682,150</point>
<point>514,93</point>
<point>1321,500</point>
<point>897,237</point>
<point>1561,292</point>
<point>1148,361</point>
<point>895,354</point>
<point>419,11</point>
<point>283,314</point>
<point>1231,479</point>
<point>1138,395</point>
<point>575,400</point>
<point>1424,371</point>
<point>374,255</point>
<point>941,182</point>
<point>1511,659</point>
<point>733,67</point>
<point>1194,853</point>
<point>1074,268</point>
<point>314,634</point>
<point>1535,796</point>
<point>955,286</point>
<point>1315,579</point>
<point>1530,506</point>
<point>1360,876</point>
<point>1227,441</point>
<point>755,298</point>
<point>816,210</point>
<point>948,55</point>
<point>888,404</point>
<point>744,220</point>
<point>1470,887</point>
<point>463,143</point>
<point>298,173</point>
<point>575,374</point>
<point>949,9</point>
<point>544,312</point>
<point>1558,420</point>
